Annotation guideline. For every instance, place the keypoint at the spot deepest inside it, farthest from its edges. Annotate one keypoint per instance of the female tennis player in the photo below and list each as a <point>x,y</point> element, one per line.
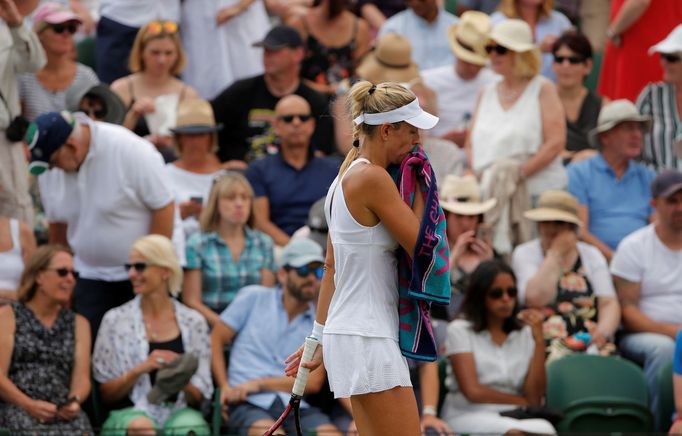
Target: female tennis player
<point>357,315</point>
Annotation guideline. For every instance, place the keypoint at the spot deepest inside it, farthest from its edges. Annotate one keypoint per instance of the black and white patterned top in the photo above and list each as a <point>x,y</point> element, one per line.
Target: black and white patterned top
<point>41,367</point>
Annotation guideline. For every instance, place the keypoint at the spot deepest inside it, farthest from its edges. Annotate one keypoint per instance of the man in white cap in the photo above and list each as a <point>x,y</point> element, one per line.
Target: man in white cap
<point>254,386</point>
<point>648,277</point>
<point>426,25</point>
<point>612,187</point>
<point>457,87</point>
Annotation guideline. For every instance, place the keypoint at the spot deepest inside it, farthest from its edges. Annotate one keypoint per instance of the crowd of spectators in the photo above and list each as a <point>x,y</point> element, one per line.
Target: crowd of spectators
<point>162,213</point>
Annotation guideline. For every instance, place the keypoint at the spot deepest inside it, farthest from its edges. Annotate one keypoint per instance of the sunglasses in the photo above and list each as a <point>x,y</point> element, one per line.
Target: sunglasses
<point>138,266</point>
<point>496,293</point>
<point>63,272</point>
<point>573,60</point>
<point>304,270</point>
<point>670,57</point>
<point>60,28</point>
<point>290,118</point>
<point>158,27</point>
<point>498,49</point>
<point>94,113</point>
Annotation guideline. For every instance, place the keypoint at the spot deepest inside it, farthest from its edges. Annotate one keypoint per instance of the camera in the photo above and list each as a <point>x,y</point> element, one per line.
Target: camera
<point>17,129</point>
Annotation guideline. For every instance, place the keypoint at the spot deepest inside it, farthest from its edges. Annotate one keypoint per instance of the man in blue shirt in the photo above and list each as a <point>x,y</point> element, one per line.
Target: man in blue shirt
<point>612,187</point>
<point>426,26</point>
<point>265,326</point>
<point>287,184</point>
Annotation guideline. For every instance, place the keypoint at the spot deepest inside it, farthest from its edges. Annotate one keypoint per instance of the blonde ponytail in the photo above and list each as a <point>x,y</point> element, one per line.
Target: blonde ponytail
<point>365,97</point>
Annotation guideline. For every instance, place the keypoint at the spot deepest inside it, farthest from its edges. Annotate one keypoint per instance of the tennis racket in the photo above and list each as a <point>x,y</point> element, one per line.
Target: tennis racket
<point>297,391</point>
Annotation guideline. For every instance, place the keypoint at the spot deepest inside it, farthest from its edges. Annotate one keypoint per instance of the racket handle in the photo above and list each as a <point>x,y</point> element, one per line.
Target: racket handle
<point>302,375</point>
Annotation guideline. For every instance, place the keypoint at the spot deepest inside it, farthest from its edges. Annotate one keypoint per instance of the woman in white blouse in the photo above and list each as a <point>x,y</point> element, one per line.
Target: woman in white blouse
<point>137,339</point>
<point>497,356</point>
<point>568,279</point>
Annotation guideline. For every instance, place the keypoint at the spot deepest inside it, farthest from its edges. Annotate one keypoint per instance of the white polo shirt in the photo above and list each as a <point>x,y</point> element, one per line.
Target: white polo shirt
<point>642,258</point>
<point>108,203</point>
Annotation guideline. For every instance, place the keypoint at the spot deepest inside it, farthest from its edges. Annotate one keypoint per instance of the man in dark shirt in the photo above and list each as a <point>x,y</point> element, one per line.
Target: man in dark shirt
<point>246,108</point>
<point>287,184</point>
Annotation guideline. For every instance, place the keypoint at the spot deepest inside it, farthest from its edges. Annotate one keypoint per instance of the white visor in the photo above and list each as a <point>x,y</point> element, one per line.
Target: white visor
<point>411,113</point>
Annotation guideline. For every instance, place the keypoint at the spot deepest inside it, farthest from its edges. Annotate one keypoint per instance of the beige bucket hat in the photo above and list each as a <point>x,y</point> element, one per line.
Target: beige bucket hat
<point>469,36</point>
<point>555,206</point>
<point>391,61</point>
<point>614,113</point>
<point>462,195</point>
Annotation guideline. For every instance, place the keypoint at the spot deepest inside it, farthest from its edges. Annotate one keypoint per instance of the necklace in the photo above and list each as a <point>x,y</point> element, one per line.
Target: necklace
<point>508,95</point>
<point>150,331</point>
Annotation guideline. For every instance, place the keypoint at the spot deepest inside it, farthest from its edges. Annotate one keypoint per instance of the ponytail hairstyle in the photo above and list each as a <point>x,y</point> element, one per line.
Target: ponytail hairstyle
<point>372,99</point>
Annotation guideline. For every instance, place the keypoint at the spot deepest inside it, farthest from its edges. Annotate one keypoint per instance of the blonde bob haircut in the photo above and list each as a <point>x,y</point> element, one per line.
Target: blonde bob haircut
<point>383,97</point>
<point>224,185</point>
<point>527,64</point>
<point>40,261</point>
<point>136,64</point>
<point>158,250</point>
<point>509,8</point>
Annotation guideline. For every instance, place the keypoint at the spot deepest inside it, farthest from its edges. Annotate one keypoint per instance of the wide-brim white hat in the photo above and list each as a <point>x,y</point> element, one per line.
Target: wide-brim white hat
<point>671,44</point>
<point>513,34</point>
<point>469,36</point>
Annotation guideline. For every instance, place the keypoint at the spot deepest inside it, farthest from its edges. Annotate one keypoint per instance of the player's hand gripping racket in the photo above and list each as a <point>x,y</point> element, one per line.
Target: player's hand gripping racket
<point>297,391</point>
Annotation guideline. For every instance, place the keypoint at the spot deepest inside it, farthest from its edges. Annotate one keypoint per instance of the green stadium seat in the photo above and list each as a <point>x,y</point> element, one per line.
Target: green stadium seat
<point>86,51</point>
<point>598,394</point>
<point>666,396</point>
<point>592,80</point>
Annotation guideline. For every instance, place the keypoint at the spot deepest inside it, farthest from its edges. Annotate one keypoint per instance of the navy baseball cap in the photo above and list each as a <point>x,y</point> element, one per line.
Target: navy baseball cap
<point>667,183</point>
<point>280,37</point>
<point>44,136</point>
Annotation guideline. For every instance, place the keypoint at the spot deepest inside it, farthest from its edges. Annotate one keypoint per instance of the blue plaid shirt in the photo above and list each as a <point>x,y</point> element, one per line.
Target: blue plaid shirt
<point>221,277</point>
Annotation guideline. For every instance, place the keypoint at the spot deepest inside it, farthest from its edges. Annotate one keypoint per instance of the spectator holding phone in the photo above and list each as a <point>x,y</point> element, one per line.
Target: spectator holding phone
<point>44,350</point>
<point>228,253</point>
<point>497,355</point>
<point>192,175</point>
<point>568,279</point>
<point>469,238</point>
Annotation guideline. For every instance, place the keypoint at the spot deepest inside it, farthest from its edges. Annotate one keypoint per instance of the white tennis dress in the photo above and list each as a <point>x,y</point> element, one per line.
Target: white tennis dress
<point>360,344</point>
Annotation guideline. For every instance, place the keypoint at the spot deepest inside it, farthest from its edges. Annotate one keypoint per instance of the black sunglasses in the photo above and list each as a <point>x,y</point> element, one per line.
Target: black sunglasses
<point>138,266</point>
<point>573,60</point>
<point>496,293</point>
<point>304,270</point>
<point>669,57</point>
<point>95,113</point>
<point>69,27</point>
<point>63,272</point>
<point>500,50</point>
<point>290,118</point>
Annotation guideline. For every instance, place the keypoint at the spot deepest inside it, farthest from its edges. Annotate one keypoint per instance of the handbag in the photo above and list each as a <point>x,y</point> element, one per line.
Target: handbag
<point>534,412</point>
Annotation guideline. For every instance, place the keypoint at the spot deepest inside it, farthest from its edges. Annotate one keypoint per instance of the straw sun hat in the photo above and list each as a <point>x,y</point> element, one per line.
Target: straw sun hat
<point>555,206</point>
<point>391,61</point>
<point>469,36</point>
<point>462,195</point>
<point>513,34</point>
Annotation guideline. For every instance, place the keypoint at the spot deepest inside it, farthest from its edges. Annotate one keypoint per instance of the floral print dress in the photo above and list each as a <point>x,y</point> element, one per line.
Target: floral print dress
<point>573,315</point>
<point>41,367</point>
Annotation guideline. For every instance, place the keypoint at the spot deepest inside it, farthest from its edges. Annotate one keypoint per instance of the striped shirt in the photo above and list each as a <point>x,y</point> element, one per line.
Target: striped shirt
<point>36,99</point>
<point>221,277</point>
<point>657,100</point>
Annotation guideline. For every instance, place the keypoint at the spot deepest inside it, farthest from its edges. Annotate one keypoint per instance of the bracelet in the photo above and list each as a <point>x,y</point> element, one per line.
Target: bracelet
<point>318,331</point>
<point>429,410</point>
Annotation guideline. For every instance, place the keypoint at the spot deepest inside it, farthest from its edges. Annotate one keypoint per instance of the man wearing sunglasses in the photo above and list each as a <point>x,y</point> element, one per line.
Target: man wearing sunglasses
<point>246,108</point>
<point>20,52</point>
<point>287,184</point>
<point>106,189</point>
<point>254,387</point>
